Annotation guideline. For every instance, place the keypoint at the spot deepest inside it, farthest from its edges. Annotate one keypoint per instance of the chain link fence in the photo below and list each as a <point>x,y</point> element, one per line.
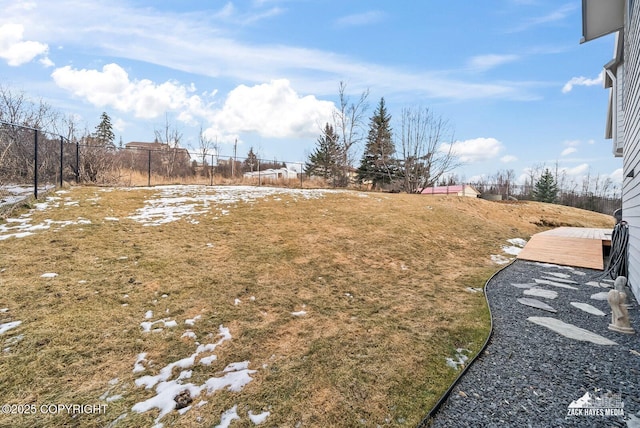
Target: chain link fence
<point>37,160</point>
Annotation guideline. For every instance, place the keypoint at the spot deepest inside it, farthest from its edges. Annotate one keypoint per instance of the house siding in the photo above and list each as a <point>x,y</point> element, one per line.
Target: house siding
<point>619,125</point>
<point>631,158</point>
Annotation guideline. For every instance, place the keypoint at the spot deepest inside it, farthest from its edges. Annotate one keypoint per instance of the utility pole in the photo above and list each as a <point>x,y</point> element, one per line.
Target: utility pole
<point>235,152</point>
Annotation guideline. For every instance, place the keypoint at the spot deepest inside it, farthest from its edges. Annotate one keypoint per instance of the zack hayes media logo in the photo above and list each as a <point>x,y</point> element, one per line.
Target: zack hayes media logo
<point>592,405</point>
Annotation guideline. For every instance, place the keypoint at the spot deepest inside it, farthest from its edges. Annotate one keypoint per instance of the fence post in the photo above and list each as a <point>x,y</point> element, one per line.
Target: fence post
<point>149,170</point>
<point>77,162</point>
<point>35,163</point>
<point>61,158</point>
<point>211,175</point>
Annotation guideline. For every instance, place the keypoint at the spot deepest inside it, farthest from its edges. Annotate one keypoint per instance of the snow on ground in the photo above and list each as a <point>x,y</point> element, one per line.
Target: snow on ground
<point>227,417</point>
<point>168,387</point>
<point>21,227</point>
<point>499,259</point>
<point>459,360</point>
<point>49,275</point>
<point>259,418</point>
<point>8,326</point>
<point>15,193</point>
<point>172,203</point>
<point>517,244</point>
<point>236,376</point>
<point>168,204</point>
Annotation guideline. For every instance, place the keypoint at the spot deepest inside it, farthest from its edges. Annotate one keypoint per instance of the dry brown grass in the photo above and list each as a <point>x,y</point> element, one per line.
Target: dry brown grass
<point>382,279</point>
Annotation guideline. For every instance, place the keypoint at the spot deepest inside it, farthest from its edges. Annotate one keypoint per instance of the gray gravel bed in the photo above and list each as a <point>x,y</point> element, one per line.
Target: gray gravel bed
<point>528,374</point>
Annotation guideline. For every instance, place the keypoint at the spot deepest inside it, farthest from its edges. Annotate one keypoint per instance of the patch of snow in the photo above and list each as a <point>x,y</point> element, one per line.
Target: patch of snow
<point>49,275</point>
<point>192,321</point>
<point>189,334</point>
<point>170,324</point>
<point>518,242</point>
<point>499,259</point>
<point>8,326</point>
<point>206,361</point>
<point>173,203</point>
<point>299,313</point>
<point>236,376</point>
<point>184,410</point>
<point>460,359</point>
<point>3,310</point>
<point>148,315</point>
<point>237,302</point>
<point>227,417</point>
<point>259,418</point>
<point>512,250</point>
<point>138,367</point>
<point>111,219</point>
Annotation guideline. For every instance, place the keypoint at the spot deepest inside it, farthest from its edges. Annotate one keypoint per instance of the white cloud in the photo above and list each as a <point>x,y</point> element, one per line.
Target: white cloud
<point>207,46</point>
<point>359,19</point>
<point>616,176</point>
<point>144,98</point>
<point>576,170</point>
<point>119,124</point>
<point>273,110</point>
<point>581,81</point>
<point>572,143</point>
<point>47,62</point>
<point>486,62</point>
<point>508,159</point>
<point>554,16</point>
<point>474,150</point>
<point>14,49</point>
<point>568,151</point>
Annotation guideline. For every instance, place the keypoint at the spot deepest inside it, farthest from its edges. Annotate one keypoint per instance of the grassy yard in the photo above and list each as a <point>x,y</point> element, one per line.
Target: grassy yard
<point>320,308</point>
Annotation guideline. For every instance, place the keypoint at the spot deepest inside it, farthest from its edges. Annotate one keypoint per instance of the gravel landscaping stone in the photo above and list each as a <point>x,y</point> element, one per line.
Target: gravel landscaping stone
<point>529,374</point>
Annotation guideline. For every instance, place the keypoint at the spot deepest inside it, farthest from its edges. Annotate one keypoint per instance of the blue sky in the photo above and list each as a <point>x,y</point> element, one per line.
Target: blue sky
<point>509,75</point>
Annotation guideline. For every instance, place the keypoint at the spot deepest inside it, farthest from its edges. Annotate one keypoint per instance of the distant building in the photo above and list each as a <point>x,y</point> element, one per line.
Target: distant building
<point>273,174</point>
<point>160,158</point>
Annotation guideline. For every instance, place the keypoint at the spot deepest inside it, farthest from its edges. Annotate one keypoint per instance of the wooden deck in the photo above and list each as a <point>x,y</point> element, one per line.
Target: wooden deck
<point>568,246</point>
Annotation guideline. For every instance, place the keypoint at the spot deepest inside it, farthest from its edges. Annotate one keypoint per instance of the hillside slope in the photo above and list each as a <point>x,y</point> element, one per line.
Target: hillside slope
<point>321,308</point>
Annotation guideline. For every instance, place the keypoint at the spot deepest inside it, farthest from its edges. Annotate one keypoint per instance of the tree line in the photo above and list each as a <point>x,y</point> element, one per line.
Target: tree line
<point>408,160</point>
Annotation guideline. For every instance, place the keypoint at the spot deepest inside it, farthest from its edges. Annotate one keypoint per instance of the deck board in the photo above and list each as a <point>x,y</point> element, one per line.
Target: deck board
<point>568,246</point>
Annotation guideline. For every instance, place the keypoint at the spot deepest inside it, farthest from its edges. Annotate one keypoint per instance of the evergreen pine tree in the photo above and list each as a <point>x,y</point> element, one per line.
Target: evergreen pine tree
<point>104,135</point>
<point>546,188</point>
<point>325,160</point>
<point>378,165</point>
<point>251,162</point>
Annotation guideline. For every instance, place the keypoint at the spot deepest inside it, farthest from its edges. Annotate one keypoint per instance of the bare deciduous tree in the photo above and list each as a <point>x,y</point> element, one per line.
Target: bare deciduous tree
<point>20,116</point>
<point>171,136</point>
<point>424,160</point>
<point>348,121</point>
<point>207,146</point>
